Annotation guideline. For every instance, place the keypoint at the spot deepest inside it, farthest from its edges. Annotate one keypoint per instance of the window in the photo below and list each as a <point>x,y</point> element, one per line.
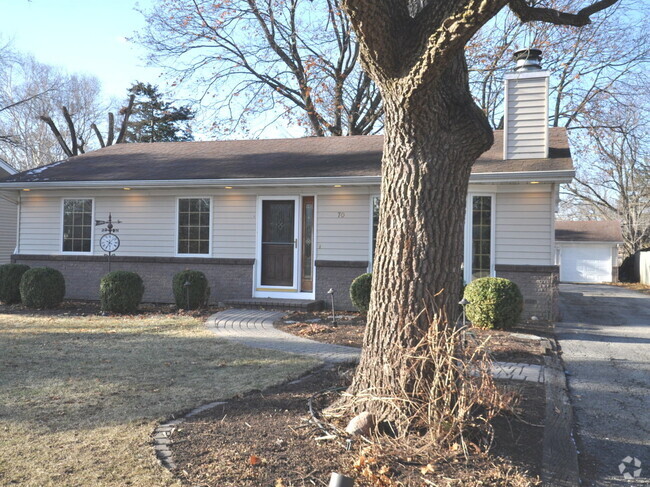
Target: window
<point>77,225</point>
<point>481,244</point>
<point>375,225</point>
<point>194,226</point>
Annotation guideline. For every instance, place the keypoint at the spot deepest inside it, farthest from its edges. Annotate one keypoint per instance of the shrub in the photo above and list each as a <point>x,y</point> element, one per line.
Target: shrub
<point>10,275</point>
<point>42,287</point>
<point>121,292</point>
<point>360,292</point>
<point>494,303</point>
<point>199,290</point>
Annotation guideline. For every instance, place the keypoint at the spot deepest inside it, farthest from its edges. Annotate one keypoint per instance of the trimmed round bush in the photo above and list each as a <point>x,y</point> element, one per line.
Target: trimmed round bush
<point>360,292</point>
<point>42,287</point>
<point>198,290</point>
<point>494,302</point>
<point>10,275</point>
<point>121,292</point>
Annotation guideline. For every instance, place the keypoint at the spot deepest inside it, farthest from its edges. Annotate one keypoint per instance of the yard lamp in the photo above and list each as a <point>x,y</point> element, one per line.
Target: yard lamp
<point>338,480</point>
<point>331,293</point>
<point>187,285</point>
<point>463,302</point>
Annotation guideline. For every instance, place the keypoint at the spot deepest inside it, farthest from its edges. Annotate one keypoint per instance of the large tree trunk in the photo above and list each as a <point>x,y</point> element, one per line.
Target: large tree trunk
<point>433,135</point>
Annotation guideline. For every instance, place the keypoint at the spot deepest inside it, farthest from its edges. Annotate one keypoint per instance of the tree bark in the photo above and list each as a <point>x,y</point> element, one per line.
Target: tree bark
<point>433,135</point>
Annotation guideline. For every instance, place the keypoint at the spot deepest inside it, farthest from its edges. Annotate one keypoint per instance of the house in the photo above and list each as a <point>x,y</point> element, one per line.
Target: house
<point>288,218</point>
<point>587,251</point>
<point>8,218</point>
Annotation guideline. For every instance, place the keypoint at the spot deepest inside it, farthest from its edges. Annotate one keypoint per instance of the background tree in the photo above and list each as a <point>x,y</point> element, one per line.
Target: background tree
<point>591,68</point>
<point>29,89</point>
<point>613,180</point>
<point>291,59</point>
<point>414,51</point>
<point>155,120</point>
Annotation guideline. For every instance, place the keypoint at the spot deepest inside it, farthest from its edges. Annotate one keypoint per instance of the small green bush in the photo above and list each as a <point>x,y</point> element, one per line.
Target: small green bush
<point>121,292</point>
<point>199,290</point>
<point>494,302</point>
<point>360,292</point>
<point>10,275</point>
<point>42,287</point>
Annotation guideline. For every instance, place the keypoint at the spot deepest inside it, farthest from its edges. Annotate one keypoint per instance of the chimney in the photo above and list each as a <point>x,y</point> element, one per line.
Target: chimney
<point>525,124</point>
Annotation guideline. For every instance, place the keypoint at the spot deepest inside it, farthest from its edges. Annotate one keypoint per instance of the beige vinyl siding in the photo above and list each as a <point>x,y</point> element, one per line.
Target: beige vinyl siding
<point>523,228</point>
<point>8,219</point>
<point>40,224</point>
<point>526,119</point>
<point>234,225</point>
<point>343,226</point>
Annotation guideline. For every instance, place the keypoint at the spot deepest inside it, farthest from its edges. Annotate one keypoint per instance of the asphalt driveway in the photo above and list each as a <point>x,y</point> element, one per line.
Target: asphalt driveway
<point>604,335</point>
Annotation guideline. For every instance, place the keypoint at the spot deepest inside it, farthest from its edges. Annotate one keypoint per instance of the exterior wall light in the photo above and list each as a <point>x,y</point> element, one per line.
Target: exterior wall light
<point>534,182</point>
<point>228,187</point>
<point>26,189</point>
<point>338,185</point>
<point>126,189</point>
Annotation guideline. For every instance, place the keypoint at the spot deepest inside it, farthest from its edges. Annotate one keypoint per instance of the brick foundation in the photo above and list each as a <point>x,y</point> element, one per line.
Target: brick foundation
<point>539,286</point>
<point>337,275</point>
<point>228,278</point>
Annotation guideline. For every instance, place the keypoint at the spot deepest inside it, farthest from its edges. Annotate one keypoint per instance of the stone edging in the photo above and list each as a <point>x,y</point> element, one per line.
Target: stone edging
<point>162,434</point>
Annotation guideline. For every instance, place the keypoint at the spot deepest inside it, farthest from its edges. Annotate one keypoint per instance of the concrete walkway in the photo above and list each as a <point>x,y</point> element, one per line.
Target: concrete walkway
<point>605,340</point>
<point>254,328</point>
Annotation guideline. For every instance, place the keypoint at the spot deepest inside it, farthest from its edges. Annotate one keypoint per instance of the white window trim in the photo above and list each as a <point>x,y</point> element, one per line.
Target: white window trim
<point>211,237</point>
<point>467,260</point>
<point>92,226</point>
<point>370,229</point>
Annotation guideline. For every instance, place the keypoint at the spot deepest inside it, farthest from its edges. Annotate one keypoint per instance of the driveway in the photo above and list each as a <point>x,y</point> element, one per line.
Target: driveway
<point>604,335</point>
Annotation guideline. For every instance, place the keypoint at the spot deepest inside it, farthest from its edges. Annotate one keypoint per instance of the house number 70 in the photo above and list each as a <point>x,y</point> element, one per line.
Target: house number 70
<point>341,214</point>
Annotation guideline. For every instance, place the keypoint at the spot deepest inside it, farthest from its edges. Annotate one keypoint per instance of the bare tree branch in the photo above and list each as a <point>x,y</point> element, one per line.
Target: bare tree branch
<point>527,13</point>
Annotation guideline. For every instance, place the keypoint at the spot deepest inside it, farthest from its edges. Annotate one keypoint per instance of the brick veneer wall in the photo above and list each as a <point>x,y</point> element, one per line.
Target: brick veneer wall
<point>228,278</point>
<point>538,285</point>
<point>337,275</point>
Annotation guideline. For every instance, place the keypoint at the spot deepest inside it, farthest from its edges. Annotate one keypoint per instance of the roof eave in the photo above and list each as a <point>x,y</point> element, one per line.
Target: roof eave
<point>563,176</point>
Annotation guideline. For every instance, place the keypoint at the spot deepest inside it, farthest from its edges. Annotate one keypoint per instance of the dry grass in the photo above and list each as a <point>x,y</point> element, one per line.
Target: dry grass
<point>634,286</point>
<point>80,396</point>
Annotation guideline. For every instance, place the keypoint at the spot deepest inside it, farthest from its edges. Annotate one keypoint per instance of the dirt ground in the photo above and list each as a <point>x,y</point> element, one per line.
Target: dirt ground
<point>347,329</point>
<point>267,439</point>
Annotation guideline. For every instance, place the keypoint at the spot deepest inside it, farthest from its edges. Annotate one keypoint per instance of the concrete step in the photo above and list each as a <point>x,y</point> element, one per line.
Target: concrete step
<point>272,303</point>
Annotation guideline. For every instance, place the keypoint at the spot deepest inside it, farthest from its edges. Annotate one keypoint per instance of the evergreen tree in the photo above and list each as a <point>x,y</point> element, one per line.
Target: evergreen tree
<point>156,120</point>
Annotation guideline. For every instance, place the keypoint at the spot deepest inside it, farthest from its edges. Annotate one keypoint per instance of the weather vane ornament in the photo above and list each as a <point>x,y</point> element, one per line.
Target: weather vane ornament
<point>109,242</point>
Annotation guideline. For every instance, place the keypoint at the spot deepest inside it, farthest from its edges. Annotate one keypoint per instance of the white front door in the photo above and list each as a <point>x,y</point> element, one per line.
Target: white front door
<point>281,240</point>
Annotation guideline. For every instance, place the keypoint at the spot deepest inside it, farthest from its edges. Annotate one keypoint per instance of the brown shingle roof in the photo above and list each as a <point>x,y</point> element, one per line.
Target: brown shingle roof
<point>268,158</point>
<point>588,231</point>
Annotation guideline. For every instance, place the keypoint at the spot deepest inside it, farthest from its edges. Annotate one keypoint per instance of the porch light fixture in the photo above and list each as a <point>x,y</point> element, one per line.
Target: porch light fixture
<point>338,185</point>
<point>126,189</point>
<point>26,189</point>
<point>534,182</point>
<point>228,187</point>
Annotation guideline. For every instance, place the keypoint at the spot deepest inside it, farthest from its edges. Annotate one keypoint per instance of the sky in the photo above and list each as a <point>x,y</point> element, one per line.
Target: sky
<point>84,36</point>
<point>90,37</point>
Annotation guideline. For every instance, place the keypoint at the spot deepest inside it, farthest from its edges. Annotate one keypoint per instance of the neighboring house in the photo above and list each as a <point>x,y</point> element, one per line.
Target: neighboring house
<point>587,251</point>
<point>288,218</point>
<point>8,217</point>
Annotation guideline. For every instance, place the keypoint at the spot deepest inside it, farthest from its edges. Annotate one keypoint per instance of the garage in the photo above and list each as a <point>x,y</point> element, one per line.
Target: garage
<point>587,251</point>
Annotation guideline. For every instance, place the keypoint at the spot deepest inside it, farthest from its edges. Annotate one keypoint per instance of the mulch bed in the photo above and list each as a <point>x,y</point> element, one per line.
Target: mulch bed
<point>266,439</point>
<point>348,328</point>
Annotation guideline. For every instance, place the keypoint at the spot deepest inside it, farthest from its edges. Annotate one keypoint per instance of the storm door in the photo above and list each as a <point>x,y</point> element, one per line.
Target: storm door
<point>279,242</point>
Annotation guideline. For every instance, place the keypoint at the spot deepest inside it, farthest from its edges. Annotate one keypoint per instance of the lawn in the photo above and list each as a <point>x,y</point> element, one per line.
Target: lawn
<point>80,396</point>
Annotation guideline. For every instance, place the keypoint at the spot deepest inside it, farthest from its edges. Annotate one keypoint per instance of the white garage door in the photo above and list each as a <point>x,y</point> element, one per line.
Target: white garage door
<point>586,264</point>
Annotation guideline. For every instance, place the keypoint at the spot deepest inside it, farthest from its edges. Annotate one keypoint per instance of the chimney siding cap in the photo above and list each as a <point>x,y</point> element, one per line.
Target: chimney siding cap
<point>538,73</point>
